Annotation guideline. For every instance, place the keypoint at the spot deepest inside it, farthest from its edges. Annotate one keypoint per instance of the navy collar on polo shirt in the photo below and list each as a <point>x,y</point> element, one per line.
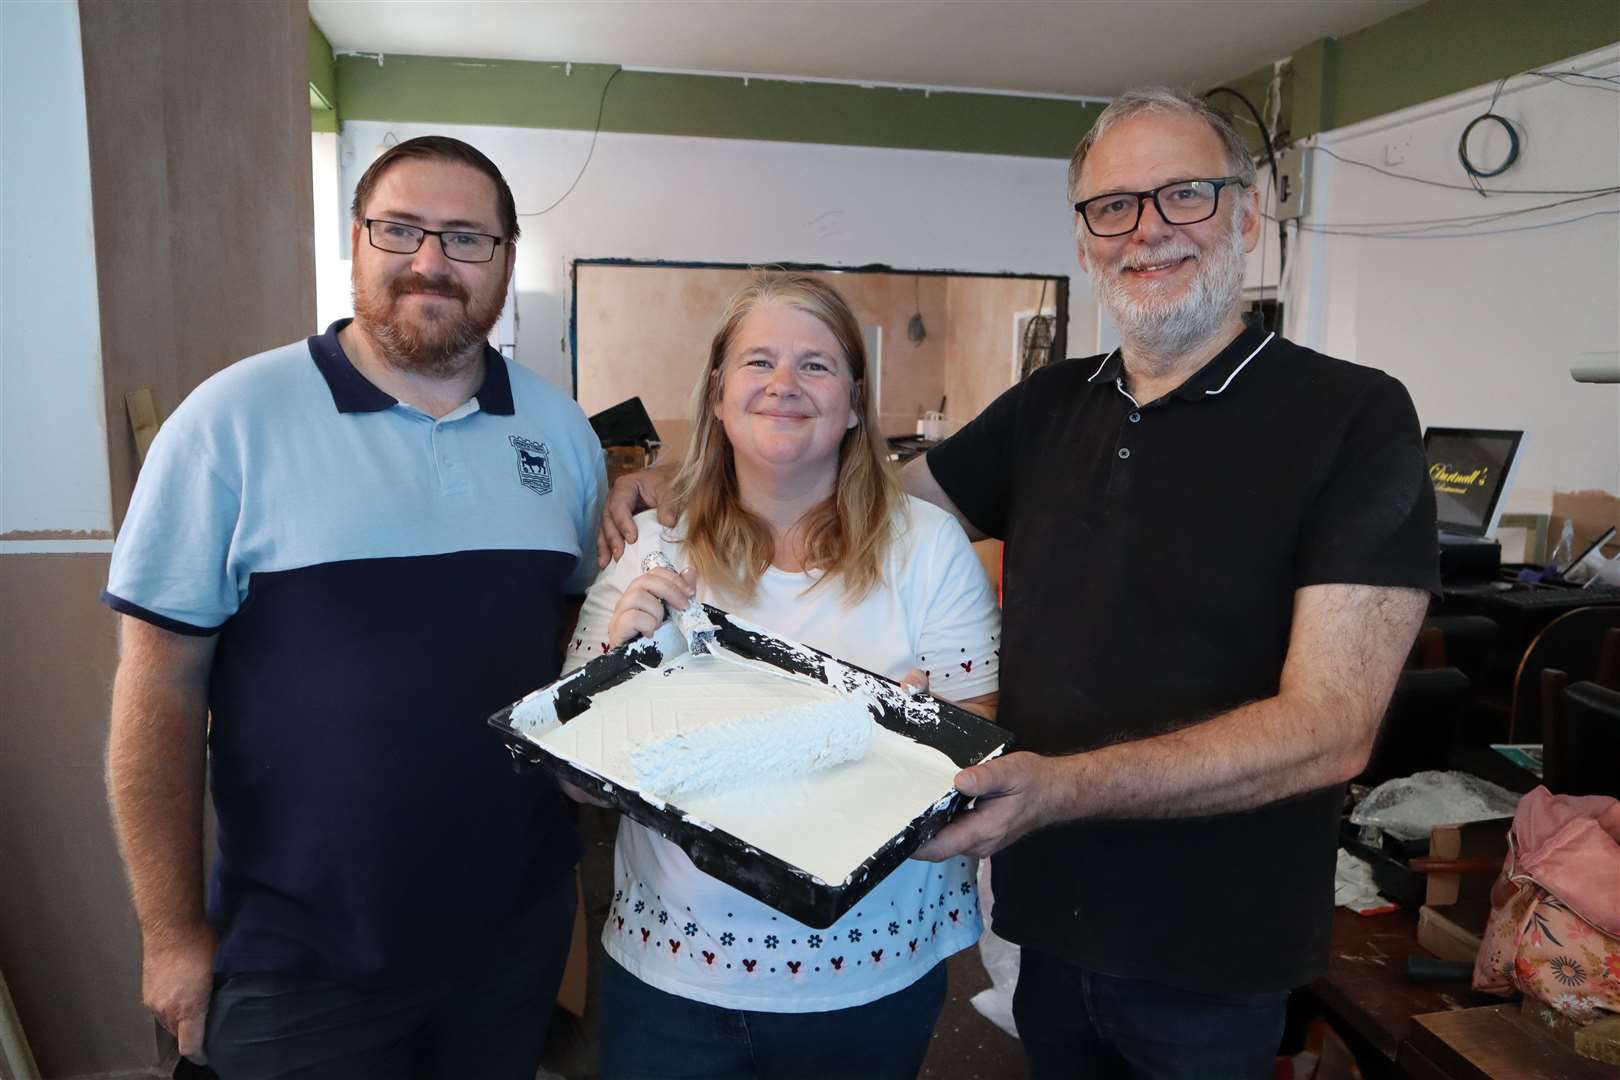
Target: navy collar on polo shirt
<point>352,392</point>
<point>1208,381</point>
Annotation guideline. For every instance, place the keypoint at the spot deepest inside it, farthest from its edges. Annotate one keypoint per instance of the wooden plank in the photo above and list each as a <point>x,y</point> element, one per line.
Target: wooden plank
<point>1495,1041</point>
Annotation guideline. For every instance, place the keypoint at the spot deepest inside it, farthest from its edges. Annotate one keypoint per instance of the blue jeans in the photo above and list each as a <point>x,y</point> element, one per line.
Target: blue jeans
<point>648,1034</point>
<point>1080,1023</point>
<point>487,1020</point>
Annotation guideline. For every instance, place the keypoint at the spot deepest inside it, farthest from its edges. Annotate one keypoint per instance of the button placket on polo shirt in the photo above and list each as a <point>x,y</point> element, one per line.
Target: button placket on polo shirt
<point>1120,476</point>
<point>448,455</point>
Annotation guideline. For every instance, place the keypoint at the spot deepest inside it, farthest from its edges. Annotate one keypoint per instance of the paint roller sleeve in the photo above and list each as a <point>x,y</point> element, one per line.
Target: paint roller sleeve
<point>769,745</point>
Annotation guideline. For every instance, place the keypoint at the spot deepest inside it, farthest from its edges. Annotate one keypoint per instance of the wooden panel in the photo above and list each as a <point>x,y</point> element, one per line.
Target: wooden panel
<point>198,116</point>
<point>1496,1041</point>
<point>68,942</point>
<point>644,331</point>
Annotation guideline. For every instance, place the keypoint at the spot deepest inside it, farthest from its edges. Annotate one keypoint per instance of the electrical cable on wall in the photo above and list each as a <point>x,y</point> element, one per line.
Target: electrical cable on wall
<point>1425,181</point>
<point>1271,160</point>
<point>1462,235</point>
<point>1601,83</point>
<point>1420,225</point>
<point>600,102</point>
<point>1489,116</point>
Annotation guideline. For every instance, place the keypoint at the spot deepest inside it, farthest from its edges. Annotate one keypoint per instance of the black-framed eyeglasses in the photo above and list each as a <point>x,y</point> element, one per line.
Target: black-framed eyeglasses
<point>1184,202</point>
<point>398,238</point>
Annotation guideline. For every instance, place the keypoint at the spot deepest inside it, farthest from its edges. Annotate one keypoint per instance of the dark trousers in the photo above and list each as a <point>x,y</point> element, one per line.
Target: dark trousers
<point>485,1021</point>
<point>648,1034</point>
<point>1080,1023</point>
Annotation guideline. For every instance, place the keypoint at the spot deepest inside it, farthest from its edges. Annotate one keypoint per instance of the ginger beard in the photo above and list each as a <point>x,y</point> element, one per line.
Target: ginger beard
<point>434,339</point>
<point>1150,315</point>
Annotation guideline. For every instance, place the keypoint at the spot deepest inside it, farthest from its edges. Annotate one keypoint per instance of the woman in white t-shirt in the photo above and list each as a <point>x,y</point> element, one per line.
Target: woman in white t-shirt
<point>790,518</point>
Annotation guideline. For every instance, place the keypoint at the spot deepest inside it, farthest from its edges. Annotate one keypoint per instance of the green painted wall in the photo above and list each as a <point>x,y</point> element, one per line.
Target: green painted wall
<point>1428,52</point>
<point>322,82</point>
<point>1421,54</point>
<point>431,89</point>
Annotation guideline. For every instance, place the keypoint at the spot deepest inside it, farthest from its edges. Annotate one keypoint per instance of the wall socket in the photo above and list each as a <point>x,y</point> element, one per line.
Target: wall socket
<point>1290,184</point>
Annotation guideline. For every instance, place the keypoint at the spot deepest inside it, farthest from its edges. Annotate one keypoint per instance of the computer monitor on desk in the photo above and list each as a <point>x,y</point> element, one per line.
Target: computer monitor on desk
<point>1471,469</point>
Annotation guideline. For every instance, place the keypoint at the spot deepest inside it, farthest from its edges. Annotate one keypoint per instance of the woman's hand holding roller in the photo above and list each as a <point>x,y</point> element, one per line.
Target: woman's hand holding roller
<point>642,607</point>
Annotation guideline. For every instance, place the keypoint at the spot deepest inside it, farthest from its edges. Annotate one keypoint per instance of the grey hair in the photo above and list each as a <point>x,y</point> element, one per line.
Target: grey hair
<point>1165,99</point>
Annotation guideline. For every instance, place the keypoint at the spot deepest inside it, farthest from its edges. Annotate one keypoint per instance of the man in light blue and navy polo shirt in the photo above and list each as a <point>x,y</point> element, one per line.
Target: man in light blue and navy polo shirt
<point>351,551</point>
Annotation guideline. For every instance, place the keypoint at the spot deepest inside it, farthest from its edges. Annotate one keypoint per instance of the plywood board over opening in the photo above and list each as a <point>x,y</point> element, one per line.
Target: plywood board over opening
<point>644,330</point>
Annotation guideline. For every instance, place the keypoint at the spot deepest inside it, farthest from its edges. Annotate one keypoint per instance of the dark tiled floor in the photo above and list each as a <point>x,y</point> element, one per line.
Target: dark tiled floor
<point>966,1046</point>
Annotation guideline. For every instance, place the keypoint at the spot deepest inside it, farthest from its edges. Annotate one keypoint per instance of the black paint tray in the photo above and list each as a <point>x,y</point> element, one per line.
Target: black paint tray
<point>962,736</point>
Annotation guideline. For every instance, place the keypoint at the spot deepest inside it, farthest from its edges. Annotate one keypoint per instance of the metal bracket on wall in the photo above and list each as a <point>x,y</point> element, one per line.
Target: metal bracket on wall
<point>143,420</point>
<point>1290,184</point>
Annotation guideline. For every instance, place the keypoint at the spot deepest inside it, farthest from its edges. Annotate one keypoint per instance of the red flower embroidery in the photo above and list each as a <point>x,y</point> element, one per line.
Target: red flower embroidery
<point>674,946</point>
<point>1524,969</point>
<point>967,665</point>
<point>1612,964</point>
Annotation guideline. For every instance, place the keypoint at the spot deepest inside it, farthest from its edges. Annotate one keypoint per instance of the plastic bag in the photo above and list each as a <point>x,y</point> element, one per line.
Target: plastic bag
<point>1000,958</point>
<point>1409,807</point>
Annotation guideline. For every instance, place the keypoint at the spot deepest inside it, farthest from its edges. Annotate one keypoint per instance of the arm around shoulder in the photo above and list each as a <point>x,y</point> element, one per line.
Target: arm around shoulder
<point>917,480</point>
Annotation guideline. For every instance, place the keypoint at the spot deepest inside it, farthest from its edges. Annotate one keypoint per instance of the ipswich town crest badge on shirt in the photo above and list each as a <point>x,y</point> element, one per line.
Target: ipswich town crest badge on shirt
<point>533,462</point>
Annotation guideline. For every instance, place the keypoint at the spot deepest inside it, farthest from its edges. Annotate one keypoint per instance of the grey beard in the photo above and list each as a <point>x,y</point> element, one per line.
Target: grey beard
<point>1165,329</point>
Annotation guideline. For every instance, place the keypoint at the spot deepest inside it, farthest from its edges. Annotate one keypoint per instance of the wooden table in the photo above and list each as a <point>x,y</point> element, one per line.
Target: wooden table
<point>1366,994</point>
<point>1493,1041</point>
<point>1428,1031</point>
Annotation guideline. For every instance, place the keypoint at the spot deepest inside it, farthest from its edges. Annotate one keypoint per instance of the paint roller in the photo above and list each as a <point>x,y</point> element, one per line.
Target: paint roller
<point>774,744</point>
<point>770,745</point>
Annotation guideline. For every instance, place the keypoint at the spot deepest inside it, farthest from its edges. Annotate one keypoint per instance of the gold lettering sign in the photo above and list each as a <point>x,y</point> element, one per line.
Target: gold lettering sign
<point>1450,481</point>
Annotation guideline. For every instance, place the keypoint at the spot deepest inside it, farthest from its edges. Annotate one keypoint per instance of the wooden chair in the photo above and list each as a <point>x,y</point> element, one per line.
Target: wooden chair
<point>1424,720</point>
<point>1584,645</point>
<point>1582,751</point>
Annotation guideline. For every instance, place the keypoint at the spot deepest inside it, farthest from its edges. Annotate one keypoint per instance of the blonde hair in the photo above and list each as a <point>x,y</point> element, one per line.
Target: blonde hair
<point>849,533</point>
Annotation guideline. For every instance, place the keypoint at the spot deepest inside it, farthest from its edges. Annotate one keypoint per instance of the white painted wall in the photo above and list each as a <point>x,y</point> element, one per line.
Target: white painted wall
<point>333,300</point>
<point>1481,329</point>
<point>53,437</point>
<point>725,200</point>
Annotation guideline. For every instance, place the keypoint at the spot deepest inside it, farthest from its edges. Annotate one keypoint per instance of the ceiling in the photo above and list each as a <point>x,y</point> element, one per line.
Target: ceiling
<point>1092,48</point>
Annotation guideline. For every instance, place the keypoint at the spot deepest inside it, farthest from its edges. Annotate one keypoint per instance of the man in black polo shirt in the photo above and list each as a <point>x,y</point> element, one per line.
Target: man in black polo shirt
<point>1218,545</point>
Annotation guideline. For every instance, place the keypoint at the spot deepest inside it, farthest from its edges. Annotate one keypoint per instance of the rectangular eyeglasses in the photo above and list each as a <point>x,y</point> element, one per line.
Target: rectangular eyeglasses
<point>397,238</point>
<point>1184,202</point>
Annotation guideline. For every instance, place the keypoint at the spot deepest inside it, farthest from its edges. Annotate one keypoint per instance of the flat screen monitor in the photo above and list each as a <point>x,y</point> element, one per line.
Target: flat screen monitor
<point>1471,469</point>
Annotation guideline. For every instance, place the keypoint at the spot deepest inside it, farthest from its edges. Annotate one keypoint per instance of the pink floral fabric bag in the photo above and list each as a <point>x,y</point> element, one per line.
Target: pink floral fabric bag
<point>1554,930</point>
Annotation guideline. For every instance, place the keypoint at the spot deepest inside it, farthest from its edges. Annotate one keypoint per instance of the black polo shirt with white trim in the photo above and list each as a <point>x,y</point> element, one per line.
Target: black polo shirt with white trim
<point>1152,556</point>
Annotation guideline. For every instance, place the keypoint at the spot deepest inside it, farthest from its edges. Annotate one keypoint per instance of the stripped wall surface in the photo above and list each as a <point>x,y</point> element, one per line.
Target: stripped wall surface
<point>157,218</point>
